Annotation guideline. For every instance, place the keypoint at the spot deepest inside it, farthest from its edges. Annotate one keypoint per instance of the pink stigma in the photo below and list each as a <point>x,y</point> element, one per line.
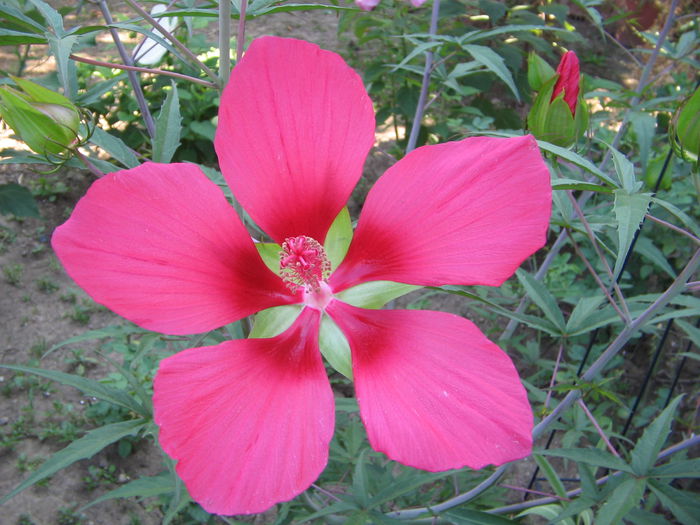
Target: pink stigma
<point>303,264</point>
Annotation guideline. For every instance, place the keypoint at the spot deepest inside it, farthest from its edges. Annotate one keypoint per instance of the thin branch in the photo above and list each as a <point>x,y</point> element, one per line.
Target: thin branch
<point>688,443</point>
<point>600,283</point>
<point>420,107</point>
<point>602,435</point>
<point>240,38</point>
<point>167,34</point>
<point>676,287</point>
<point>86,60</point>
<point>606,266</point>
<point>673,227</point>
<point>553,380</point>
<point>133,77</point>
<point>224,41</point>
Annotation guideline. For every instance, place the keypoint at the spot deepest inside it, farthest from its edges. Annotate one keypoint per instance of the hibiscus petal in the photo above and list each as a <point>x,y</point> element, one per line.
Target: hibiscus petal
<point>434,393</point>
<point>466,212</point>
<point>160,245</point>
<point>249,420</point>
<point>295,126</point>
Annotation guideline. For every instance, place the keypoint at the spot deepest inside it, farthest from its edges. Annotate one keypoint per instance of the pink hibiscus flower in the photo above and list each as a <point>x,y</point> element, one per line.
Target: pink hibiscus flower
<point>249,421</point>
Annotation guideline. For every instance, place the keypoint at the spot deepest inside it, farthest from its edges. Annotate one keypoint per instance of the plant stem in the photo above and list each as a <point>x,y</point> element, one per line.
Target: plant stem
<point>167,34</point>
<point>240,38</point>
<point>420,107</point>
<point>224,41</point>
<point>86,60</point>
<point>133,77</point>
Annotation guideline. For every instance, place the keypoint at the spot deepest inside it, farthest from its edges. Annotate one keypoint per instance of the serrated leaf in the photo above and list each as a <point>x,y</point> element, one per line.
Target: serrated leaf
<point>115,147</point>
<point>52,17</point>
<point>590,456</point>
<point>375,294</point>
<point>684,468</point>
<point>684,505</point>
<point>61,48</point>
<point>630,210</point>
<point>83,448</point>
<point>624,498</point>
<point>145,487</point>
<point>572,184</point>
<point>494,63</point>
<point>542,298</point>
<point>87,386</point>
<point>649,445</point>
<point>583,310</point>
<point>645,247</point>
<point>168,128</point>
<point>625,171</point>
<point>17,200</point>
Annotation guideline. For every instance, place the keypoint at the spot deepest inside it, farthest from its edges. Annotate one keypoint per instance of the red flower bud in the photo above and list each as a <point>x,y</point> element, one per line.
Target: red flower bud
<point>568,80</point>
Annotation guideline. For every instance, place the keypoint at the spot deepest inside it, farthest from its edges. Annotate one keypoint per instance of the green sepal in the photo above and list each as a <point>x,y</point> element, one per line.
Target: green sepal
<point>375,294</point>
<point>274,321</point>
<point>338,238</point>
<point>334,347</point>
<point>684,131</point>
<point>270,254</point>
<point>538,71</point>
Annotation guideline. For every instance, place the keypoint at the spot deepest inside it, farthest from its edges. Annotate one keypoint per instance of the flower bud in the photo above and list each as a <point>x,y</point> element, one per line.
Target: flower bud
<point>46,121</point>
<point>559,114</point>
<point>685,129</point>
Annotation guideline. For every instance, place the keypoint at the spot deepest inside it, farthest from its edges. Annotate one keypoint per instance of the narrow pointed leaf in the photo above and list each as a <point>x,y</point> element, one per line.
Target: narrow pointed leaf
<point>144,487</point>
<point>629,213</point>
<point>624,498</point>
<point>590,456</point>
<point>542,298</point>
<point>168,128</point>
<point>82,448</point>
<point>493,61</point>
<point>87,386</point>
<point>655,435</point>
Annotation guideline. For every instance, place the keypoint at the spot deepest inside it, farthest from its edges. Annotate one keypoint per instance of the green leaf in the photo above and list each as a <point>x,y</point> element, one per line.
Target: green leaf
<point>17,17</point>
<point>85,447</point>
<point>101,333</point>
<point>17,200</point>
<point>686,219</point>
<point>145,487</point>
<point>89,387</point>
<point>590,456</point>
<point>684,505</point>
<point>475,517</point>
<point>375,294</point>
<point>645,247</point>
<point>338,238</point>
<point>273,321</point>
<point>115,147</point>
<point>493,61</point>
<point>9,37</point>
<point>692,331</point>
<point>360,480</point>
<point>334,347</point>
<point>168,128</point>
<point>576,159</point>
<point>551,475</point>
<point>406,483</point>
<point>644,127</point>
<point>542,298</point>
<point>61,48</point>
<point>334,508</point>
<point>630,210</point>
<point>624,498</point>
<point>52,17</point>
<point>625,172</point>
<point>572,184</point>
<point>655,435</point>
<point>684,468</point>
<point>583,310</point>
<point>346,404</point>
